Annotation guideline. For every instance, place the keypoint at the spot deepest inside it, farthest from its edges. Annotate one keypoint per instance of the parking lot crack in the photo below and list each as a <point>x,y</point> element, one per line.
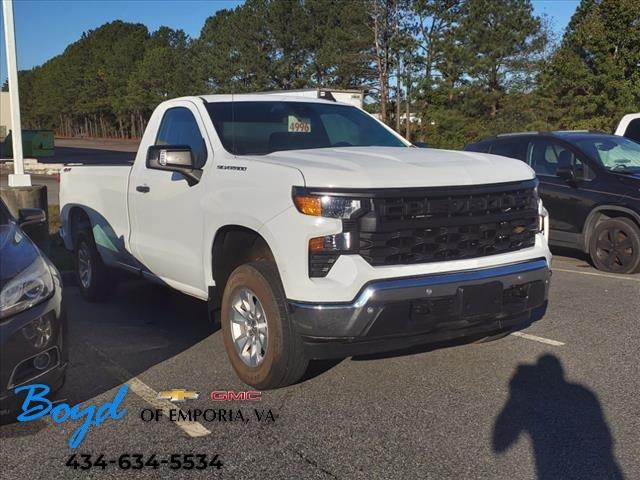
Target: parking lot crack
<point>312,462</point>
<point>285,398</point>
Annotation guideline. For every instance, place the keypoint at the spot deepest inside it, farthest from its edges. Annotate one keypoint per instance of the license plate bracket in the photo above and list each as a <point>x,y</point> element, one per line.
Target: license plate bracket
<point>484,299</point>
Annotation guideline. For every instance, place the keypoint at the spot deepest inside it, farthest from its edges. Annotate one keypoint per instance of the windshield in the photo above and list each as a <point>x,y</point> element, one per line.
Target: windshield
<point>615,153</point>
<point>260,128</point>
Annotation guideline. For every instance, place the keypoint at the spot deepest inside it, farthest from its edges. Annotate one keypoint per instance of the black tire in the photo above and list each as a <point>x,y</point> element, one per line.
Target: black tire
<point>614,246</point>
<point>284,361</point>
<point>100,282</point>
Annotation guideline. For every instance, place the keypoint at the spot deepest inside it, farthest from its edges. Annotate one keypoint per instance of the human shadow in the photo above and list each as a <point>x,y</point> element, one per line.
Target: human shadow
<point>570,436</point>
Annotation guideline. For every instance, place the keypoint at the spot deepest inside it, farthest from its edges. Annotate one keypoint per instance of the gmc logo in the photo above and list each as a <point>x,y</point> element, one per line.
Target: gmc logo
<point>229,395</point>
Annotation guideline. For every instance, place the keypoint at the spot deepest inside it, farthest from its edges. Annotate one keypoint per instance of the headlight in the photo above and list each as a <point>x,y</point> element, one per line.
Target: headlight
<point>326,206</point>
<point>30,287</point>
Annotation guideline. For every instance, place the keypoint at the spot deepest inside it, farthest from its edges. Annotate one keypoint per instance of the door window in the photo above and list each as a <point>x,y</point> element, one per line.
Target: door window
<point>544,156</point>
<point>512,149</point>
<point>179,127</point>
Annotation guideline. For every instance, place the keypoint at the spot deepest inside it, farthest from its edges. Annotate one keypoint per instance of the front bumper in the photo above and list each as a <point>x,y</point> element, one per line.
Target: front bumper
<point>396,313</point>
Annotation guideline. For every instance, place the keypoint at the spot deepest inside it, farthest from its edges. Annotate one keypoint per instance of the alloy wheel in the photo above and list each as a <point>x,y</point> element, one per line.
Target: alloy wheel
<point>249,330</point>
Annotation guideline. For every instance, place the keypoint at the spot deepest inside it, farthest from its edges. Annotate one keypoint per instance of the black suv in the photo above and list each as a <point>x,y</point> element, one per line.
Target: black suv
<point>590,184</point>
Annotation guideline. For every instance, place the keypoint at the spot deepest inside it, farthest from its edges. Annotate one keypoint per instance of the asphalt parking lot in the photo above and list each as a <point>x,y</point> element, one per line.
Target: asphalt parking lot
<point>559,402</point>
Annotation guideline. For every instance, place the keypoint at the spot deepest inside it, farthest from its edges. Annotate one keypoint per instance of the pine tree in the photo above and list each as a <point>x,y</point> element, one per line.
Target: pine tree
<point>594,76</point>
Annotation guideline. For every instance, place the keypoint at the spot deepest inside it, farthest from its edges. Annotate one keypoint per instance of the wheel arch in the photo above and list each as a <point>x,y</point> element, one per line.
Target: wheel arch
<point>75,217</point>
<point>602,213</point>
<point>232,246</point>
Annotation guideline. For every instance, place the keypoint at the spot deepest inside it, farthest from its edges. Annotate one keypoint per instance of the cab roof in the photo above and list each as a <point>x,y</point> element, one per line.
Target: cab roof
<point>563,134</point>
<point>257,97</point>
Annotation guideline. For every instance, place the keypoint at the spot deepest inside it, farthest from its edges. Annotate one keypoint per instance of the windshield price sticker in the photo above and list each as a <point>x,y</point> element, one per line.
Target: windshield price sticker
<point>299,125</point>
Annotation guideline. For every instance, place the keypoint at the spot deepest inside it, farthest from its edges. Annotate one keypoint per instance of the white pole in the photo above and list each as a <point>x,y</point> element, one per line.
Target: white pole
<point>19,178</point>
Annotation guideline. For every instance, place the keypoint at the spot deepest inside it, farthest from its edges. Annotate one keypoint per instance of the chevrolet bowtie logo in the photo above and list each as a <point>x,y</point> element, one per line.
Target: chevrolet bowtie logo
<point>177,395</point>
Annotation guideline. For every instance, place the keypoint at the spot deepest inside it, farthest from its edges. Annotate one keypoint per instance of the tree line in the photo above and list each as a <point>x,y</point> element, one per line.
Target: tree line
<point>464,69</point>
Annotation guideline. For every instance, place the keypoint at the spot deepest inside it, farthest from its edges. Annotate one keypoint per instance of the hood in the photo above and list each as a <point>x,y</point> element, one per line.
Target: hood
<point>631,180</point>
<point>17,251</point>
<point>395,167</point>
<point>634,179</point>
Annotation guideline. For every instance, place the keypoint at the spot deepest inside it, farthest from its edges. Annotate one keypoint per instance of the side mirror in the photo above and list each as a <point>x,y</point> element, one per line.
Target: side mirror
<point>174,158</point>
<point>566,173</point>
<point>31,216</point>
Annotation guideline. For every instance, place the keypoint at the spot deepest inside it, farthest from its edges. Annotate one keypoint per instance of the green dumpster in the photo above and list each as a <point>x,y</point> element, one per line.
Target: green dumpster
<point>35,144</point>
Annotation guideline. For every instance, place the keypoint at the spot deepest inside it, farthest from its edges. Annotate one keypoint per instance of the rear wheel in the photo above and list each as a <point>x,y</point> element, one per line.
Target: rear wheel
<point>94,278</point>
<point>615,246</point>
<point>261,342</point>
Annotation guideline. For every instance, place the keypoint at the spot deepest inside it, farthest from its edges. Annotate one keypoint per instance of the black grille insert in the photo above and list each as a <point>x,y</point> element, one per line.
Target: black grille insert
<point>449,224</point>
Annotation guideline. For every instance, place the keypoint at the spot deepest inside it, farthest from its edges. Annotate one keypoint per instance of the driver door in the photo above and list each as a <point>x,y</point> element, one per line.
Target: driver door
<point>166,218</point>
<point>568,204</point>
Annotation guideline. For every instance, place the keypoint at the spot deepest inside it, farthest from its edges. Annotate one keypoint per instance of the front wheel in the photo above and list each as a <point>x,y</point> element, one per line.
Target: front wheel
<point>615,246</point>
<point>261,342</point>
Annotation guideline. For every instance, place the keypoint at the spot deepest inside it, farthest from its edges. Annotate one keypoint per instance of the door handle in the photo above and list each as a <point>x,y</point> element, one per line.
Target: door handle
<point>142,188</point>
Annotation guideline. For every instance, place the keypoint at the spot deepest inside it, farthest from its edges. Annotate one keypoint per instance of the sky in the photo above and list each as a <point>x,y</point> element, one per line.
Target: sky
<point>44,28</point>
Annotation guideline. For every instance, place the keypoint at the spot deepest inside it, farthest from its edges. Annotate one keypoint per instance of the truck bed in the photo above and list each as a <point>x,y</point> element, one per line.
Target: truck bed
<point>102,192</point>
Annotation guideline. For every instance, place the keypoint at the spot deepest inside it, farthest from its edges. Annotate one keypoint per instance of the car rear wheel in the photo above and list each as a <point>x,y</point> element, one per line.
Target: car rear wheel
<point>261,342</point>
<point>94,278</point>
<point>615,246</point>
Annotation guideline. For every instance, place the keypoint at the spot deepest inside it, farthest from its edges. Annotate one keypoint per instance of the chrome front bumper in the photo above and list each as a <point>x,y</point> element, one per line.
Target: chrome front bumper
<point>396,307</point>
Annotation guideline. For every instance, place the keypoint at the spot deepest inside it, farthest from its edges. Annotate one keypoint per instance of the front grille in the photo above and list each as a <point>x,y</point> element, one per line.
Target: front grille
<point>432,225</point>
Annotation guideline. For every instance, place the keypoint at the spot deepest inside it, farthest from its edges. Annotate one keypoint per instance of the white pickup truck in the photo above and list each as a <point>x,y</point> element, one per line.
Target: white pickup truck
<point>318,230</point>
<point>629,127</point>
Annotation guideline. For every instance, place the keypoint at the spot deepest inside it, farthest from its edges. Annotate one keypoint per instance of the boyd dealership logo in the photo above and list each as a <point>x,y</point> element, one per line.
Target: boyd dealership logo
<point>36,405</point>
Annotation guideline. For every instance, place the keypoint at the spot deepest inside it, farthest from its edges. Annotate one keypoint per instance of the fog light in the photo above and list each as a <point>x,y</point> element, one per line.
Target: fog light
<point>39,332</point>
<point>42,361</point>
<point>316,244</point>
<point>324,252</point>
<point>331,243</point>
